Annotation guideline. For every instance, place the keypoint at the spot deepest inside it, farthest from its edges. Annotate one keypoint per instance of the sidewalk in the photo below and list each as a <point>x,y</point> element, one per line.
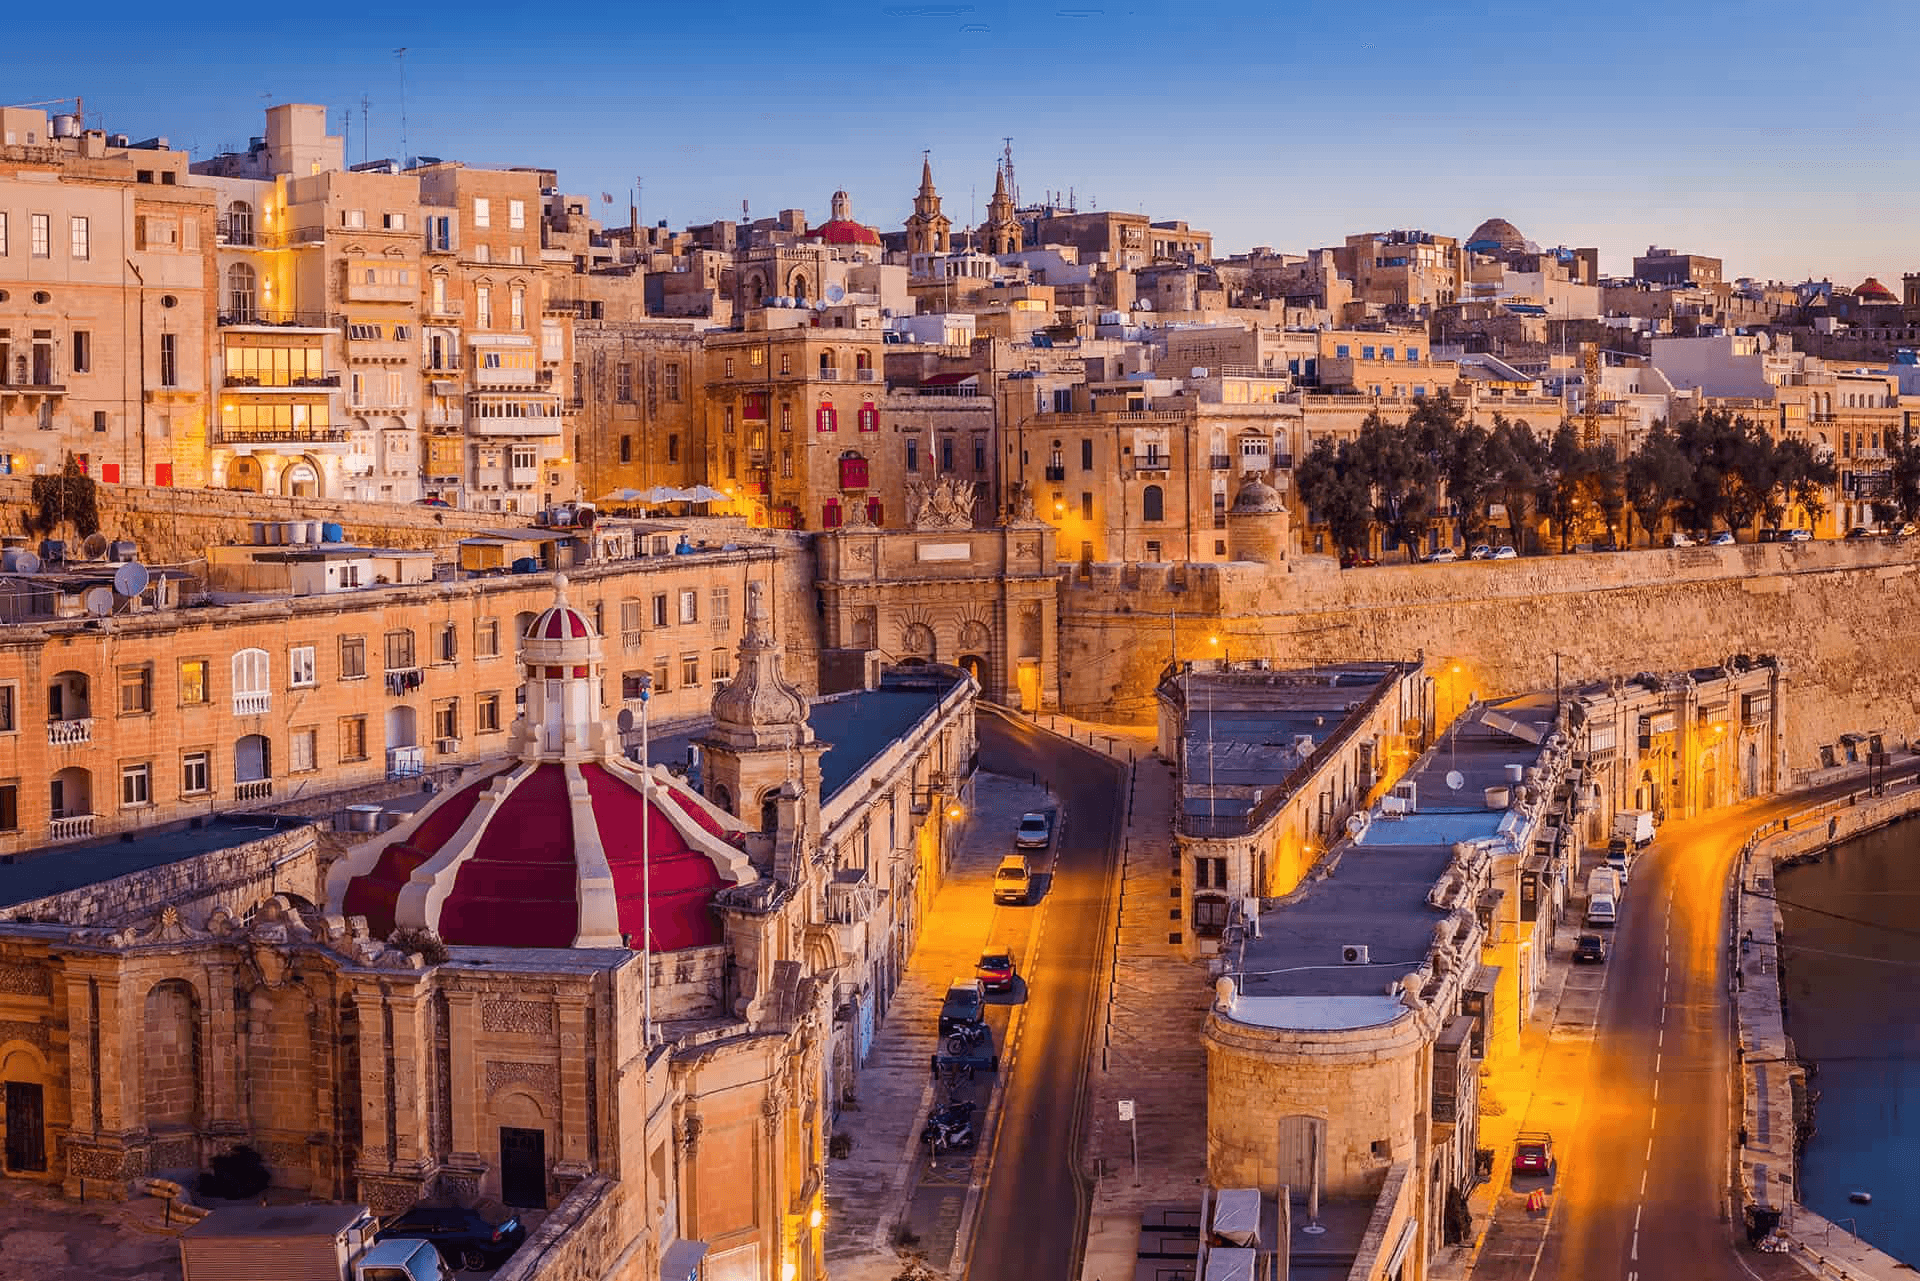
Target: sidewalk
<point>1536,1089</point>
<point>886,1181</point>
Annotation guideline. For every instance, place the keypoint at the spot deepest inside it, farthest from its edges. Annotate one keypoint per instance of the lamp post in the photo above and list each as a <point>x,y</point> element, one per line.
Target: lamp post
<point>646,868</point>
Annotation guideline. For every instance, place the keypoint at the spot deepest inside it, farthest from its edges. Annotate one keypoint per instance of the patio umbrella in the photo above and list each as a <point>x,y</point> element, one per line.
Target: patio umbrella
<point>664,494</point>
<point>618,496</point>
<point>705,494</point>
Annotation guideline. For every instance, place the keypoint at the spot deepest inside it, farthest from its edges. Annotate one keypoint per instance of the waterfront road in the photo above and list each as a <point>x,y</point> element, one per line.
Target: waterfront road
<point>1032,1212</point>
<point>1643,1188</point>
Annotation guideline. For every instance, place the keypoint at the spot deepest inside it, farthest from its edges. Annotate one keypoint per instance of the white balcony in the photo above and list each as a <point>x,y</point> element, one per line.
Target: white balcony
<point>71,827</point>
<point>379,291</point>
<point>253,703</point>
<point>70,733</point>
<point>505,377</point>
<point>516,425</point>
<point>523,477</point>
<point>406,762</point>
<point>867,375</point>
<point>253,789</point>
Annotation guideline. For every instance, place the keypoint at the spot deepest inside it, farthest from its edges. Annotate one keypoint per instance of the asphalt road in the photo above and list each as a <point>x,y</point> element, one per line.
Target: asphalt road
<point>1643,1187</point>
<point>1032,1212</point>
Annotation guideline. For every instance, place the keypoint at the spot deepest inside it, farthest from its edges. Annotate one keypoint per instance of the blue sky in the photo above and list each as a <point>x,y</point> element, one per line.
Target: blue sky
<point>1759,131</point>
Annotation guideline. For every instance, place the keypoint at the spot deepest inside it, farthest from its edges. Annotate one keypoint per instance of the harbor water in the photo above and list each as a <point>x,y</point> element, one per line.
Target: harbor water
<point>1851,981</point>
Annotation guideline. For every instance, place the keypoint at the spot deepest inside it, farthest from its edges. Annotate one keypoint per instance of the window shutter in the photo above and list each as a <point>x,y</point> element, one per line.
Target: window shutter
<point>825,419</point>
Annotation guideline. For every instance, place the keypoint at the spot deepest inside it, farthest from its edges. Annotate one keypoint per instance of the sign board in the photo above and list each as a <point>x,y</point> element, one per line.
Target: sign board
<point>1126,1109</point>
<point>944,551</point>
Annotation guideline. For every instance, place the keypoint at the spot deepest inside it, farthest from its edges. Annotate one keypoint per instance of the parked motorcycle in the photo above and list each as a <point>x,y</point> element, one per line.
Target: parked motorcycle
<point>949,1128</point>
<point>965,1037</point>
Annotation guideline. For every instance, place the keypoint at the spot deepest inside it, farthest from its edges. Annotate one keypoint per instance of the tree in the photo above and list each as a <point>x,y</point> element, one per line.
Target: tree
<point>1470,477</point>
<point>1564,480</point>
<point>1656,476</point>
<point>1606,479</point>
<point>71,497</point>
<point>1335,492</point>
<point>1401,479</point>
<point>1903,451</point>
<point>1519,464</point>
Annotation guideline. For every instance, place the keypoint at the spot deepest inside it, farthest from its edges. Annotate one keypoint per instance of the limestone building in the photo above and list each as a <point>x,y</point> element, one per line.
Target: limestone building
<point>107,304</point>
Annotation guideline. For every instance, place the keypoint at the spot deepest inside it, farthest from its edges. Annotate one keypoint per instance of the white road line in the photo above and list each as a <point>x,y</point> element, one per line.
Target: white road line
<point>1656,1057</point>
<point>1636,1218</point>
<point>1643,1180</point>
<point>1653,1117</point>
<point>1663,1019</point>
<point>1649,1149</point>
<point>1663,1035</point>
<point>1636,1247</point>
<point>1656,1089</point>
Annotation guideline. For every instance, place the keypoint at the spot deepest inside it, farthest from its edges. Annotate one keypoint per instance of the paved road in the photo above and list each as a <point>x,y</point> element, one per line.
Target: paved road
<point>1643,1187</point>
<point>1032,1213</point>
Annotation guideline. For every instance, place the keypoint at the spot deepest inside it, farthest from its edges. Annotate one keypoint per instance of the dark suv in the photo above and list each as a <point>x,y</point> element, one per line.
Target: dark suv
<point>966,1003</point>
<point>463,1238</point>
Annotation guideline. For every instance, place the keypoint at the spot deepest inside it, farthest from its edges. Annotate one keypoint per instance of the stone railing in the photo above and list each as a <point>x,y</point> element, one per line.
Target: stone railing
<point>253,789</point>
<point>70,733</point>
<point>253,702</point>
<point>576,1242</point>
<point>72,827</point>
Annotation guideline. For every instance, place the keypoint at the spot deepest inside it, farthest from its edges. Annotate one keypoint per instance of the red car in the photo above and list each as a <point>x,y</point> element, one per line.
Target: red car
<point>996,970</point>
<point>1533,1153</point>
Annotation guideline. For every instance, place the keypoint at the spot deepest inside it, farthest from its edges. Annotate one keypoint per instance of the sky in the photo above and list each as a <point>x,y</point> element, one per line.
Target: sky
<point>1778,136</point>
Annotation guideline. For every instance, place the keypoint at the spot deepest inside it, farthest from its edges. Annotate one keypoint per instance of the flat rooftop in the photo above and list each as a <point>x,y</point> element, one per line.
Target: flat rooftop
<point>57,869</point>
<point>858,726</point>
<point>1376,897</point>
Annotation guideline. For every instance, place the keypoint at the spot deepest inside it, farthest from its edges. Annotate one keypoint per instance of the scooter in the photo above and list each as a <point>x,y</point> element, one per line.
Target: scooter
<point>949,1128</point>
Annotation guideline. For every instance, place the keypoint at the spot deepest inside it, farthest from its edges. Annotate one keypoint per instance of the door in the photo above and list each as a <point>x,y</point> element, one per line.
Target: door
<point>26,1127</point>
<point>523,1167</point>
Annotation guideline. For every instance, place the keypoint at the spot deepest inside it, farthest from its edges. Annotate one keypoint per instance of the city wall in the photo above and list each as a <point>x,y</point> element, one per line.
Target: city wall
<point>235,878</point>
<point>1836,613</point>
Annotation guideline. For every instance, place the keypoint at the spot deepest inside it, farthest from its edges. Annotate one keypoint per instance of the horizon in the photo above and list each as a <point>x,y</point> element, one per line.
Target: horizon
<point>1626,144</point>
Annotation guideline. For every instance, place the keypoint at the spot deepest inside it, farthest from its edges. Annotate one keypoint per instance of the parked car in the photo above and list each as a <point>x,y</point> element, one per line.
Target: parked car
<point>1905,529</point>
<point>1796,535</point>
<point>1035,832</point>
<point>1012,880</point>
<point>431,502</point>
<point>1724,538</point>
<point>966,1004</point>
<point>1603,911</point>
<point>1677,539</point>
<point>996,970</point>
<point>1859,531</point>
<point>463,1238</point>
<point>1445,556</point>
<point>1480,552</point>
<point>1589,950</point>
<point>1533,1153</point>
<point>1505,552</point>
<point>1350,561</point>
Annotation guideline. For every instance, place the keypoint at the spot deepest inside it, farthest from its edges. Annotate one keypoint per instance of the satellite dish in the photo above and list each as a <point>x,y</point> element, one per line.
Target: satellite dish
<point>625,719</point>
<point>131,578</point>
<point>99,601</point>
<point>1455,780</point>
<point>1356,824</point>
<point>94,548</point>
<point>835,293</point>
<point>820,304</point>
<point>26,563</point>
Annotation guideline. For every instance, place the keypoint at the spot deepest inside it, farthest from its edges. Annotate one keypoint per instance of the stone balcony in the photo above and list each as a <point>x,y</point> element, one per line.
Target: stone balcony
<point>70,733</point>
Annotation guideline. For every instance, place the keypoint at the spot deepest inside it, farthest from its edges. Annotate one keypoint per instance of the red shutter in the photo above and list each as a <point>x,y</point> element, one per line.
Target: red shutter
<point>869,416</point>
<point>830,514</point>
<point>163,473</point>
<point>853,473</point>
<point>110,473</point>
<point>875,512</point>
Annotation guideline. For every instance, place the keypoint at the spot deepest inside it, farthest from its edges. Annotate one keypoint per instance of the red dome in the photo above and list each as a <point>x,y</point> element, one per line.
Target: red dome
<point>843,231</point>
<point>559,622</point>
<point>517,879</point>
<point>1873,289</point>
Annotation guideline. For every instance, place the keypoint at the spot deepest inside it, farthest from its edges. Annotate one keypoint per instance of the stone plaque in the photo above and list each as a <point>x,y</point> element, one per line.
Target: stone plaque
<point>944,551</point>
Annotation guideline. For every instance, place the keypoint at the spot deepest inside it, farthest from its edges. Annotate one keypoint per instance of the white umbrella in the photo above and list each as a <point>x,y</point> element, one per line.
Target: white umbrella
<point>618,496</point>
<point>705,494</point>
<point>664,494</point>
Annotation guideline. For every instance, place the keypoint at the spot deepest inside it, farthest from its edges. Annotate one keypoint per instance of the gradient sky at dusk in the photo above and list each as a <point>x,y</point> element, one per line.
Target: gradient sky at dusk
<point>1781,136</point>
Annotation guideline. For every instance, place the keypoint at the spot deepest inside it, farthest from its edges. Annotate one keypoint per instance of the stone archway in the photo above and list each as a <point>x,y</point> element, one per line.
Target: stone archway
<point>244,473</point>
<point>300,479</point>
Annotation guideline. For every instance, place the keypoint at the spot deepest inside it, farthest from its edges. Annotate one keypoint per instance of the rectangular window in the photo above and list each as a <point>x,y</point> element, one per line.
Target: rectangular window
<point>9,794</point>
<point>136,784</point>
<point>720,604</point>
<point>399,650</point>
<point>1366,353</point>
<point>353,657</point>
<point>353,738</point>
<point>1086,506</point>
<point>1086,455</point>
<point>446,648</point>
<point>517,309</point>
<point>80,237</point>
<point>3,234</point>
<point>193,680</point>
<point>483,306</point>
<point>169,362</point>
<point>301,667</point>
<point>195,774</point>
<point>623,383</point>
<point>632,685</point>
<point>393,221</point>
<point>1413,353</point>
<point>517,214</point>
<point>913,455</point>
<point>482,212</point>
<point>353,217</point>
<point>1342,351</point>
<point>82,351</point>
<point>660,666</point>
<point>979,454</point>
<point>303,750</point>
<point>670,377</point>
<point>42,236</point>
<point>9,708</point>
<point>99,420</point>
<point>689,605</point>
<point>446,718</point>
<point>136,690</point>
<point>486,714</point>
<point>673,448</point>
<point>722,666</point>
<point>660,609</point>
<point>825,419</point>
<point>689,670</point>
<point>626,449</point>
<point>486,638</point>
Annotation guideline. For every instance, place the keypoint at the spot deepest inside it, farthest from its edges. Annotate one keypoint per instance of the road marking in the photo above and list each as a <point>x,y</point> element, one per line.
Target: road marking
<point>1636,1247</point>
<point>1656,1057</point>
<point>1643,1180</point>
<point>1649,1149</point>
<point>1663,1035</point>
<point>1636,1218</point>
<point>1656,1089</point>
<point>1653,1116</point>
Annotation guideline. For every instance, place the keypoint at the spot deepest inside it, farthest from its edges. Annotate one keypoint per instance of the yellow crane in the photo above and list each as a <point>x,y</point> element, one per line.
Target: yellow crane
<point>1590,415</point>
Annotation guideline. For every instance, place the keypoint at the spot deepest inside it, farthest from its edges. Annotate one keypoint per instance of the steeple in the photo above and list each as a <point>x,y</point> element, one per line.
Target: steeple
<point>1002,231</point>
<point>928,230</point>
<point>760,744</point>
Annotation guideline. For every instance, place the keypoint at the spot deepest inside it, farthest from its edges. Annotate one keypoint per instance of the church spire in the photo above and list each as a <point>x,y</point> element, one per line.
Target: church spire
<point>926,176</point>
<point>928,230</point>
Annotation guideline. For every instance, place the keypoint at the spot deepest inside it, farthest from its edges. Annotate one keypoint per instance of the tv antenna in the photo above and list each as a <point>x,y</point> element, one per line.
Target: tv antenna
<point>401,54</point>
<point>1013,188</point>
<point>366,133</point>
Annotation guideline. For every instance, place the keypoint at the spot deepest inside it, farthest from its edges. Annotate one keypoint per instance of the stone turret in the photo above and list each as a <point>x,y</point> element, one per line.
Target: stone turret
<point>1257,524</point>
<point>760,740</point>
<point>1002,231</point>
<point>928,230</point>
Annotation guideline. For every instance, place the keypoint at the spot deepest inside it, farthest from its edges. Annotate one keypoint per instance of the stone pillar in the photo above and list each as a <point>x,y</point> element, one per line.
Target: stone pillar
<point>463,1022</point>
<point>570,1164</point>
<point>223,1101</point>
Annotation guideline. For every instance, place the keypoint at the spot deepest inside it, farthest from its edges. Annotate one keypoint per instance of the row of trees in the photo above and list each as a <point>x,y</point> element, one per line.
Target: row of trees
<point>1715,470</point>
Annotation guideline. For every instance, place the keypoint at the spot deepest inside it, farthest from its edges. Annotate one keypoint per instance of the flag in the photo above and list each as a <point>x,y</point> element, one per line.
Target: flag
<point>605,199</point>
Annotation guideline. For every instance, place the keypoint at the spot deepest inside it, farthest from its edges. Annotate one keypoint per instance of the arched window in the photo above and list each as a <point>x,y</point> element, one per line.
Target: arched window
<point>800,290</point>
<point>863,360</point>
<point>252,682</point>
<point>239,222</point>
<point>827,363</point>
<point>1153,504</point>
<point>241,286</point>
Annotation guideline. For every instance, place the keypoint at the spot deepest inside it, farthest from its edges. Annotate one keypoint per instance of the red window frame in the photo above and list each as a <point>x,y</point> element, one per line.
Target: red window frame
<point>876,512</point>
<point>824,419</point>
<point>869,416</point>
<point>830,516</point>
<point>853,473</point>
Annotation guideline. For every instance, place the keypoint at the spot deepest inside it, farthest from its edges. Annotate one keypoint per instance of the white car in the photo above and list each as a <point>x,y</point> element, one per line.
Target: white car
<point>1505,553</point>
<point>1445,556</point>
<point>1679,540</point>
<point>1722,539</point>
<point>1796,535</point>
<point>1480,552</point>
<point>1035,831</point>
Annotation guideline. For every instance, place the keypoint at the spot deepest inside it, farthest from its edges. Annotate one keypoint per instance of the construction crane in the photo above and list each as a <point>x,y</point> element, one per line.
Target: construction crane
<point>1590,409</point>
<point>79,106</point>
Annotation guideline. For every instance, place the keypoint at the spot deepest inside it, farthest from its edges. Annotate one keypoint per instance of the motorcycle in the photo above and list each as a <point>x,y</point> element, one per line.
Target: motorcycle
<point>949,1128</point>
<point>965,1037</point>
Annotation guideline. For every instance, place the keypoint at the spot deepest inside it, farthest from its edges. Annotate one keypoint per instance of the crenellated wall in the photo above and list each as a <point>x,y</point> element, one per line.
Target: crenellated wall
<point>1838,614</point>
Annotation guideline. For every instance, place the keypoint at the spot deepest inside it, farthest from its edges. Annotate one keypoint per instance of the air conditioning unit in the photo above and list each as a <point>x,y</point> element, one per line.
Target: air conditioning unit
<point>1353,954</point>
<point>447,746</point>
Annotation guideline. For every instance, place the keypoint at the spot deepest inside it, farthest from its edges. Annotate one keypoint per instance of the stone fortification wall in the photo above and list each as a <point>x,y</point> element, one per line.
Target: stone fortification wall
<point>1838,614</point>
<point>235,878</point>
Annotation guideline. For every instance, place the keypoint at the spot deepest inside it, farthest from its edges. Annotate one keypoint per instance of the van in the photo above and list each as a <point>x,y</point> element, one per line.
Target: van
<point>1635,827</point>
<point>1603,882</point>
<point>1012,881</point>
<point>1620,862</point>
<point>1602,911</point>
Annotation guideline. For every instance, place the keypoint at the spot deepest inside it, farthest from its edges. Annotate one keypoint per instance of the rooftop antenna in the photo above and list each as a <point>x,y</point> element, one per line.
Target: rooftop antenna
<point>1013,188</point>
<point>346,135</point>
<point>365,132</point>
<point>401,54</point>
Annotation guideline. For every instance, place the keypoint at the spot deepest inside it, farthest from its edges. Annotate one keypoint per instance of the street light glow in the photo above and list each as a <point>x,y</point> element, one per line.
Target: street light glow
<point>953,811</point>
<point>817,1218</point>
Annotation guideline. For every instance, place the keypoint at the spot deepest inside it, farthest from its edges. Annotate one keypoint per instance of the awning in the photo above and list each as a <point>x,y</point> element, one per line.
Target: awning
<point>681,1262</point>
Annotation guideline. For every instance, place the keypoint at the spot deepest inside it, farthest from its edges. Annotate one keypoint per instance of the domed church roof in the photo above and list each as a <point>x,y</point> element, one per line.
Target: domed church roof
<point>1256,497</point>
<point>567,845</point>
<point>1496,235</point>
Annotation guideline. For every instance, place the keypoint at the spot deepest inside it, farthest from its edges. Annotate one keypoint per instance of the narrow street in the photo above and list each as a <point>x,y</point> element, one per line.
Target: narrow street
<point>1033,1211</point>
